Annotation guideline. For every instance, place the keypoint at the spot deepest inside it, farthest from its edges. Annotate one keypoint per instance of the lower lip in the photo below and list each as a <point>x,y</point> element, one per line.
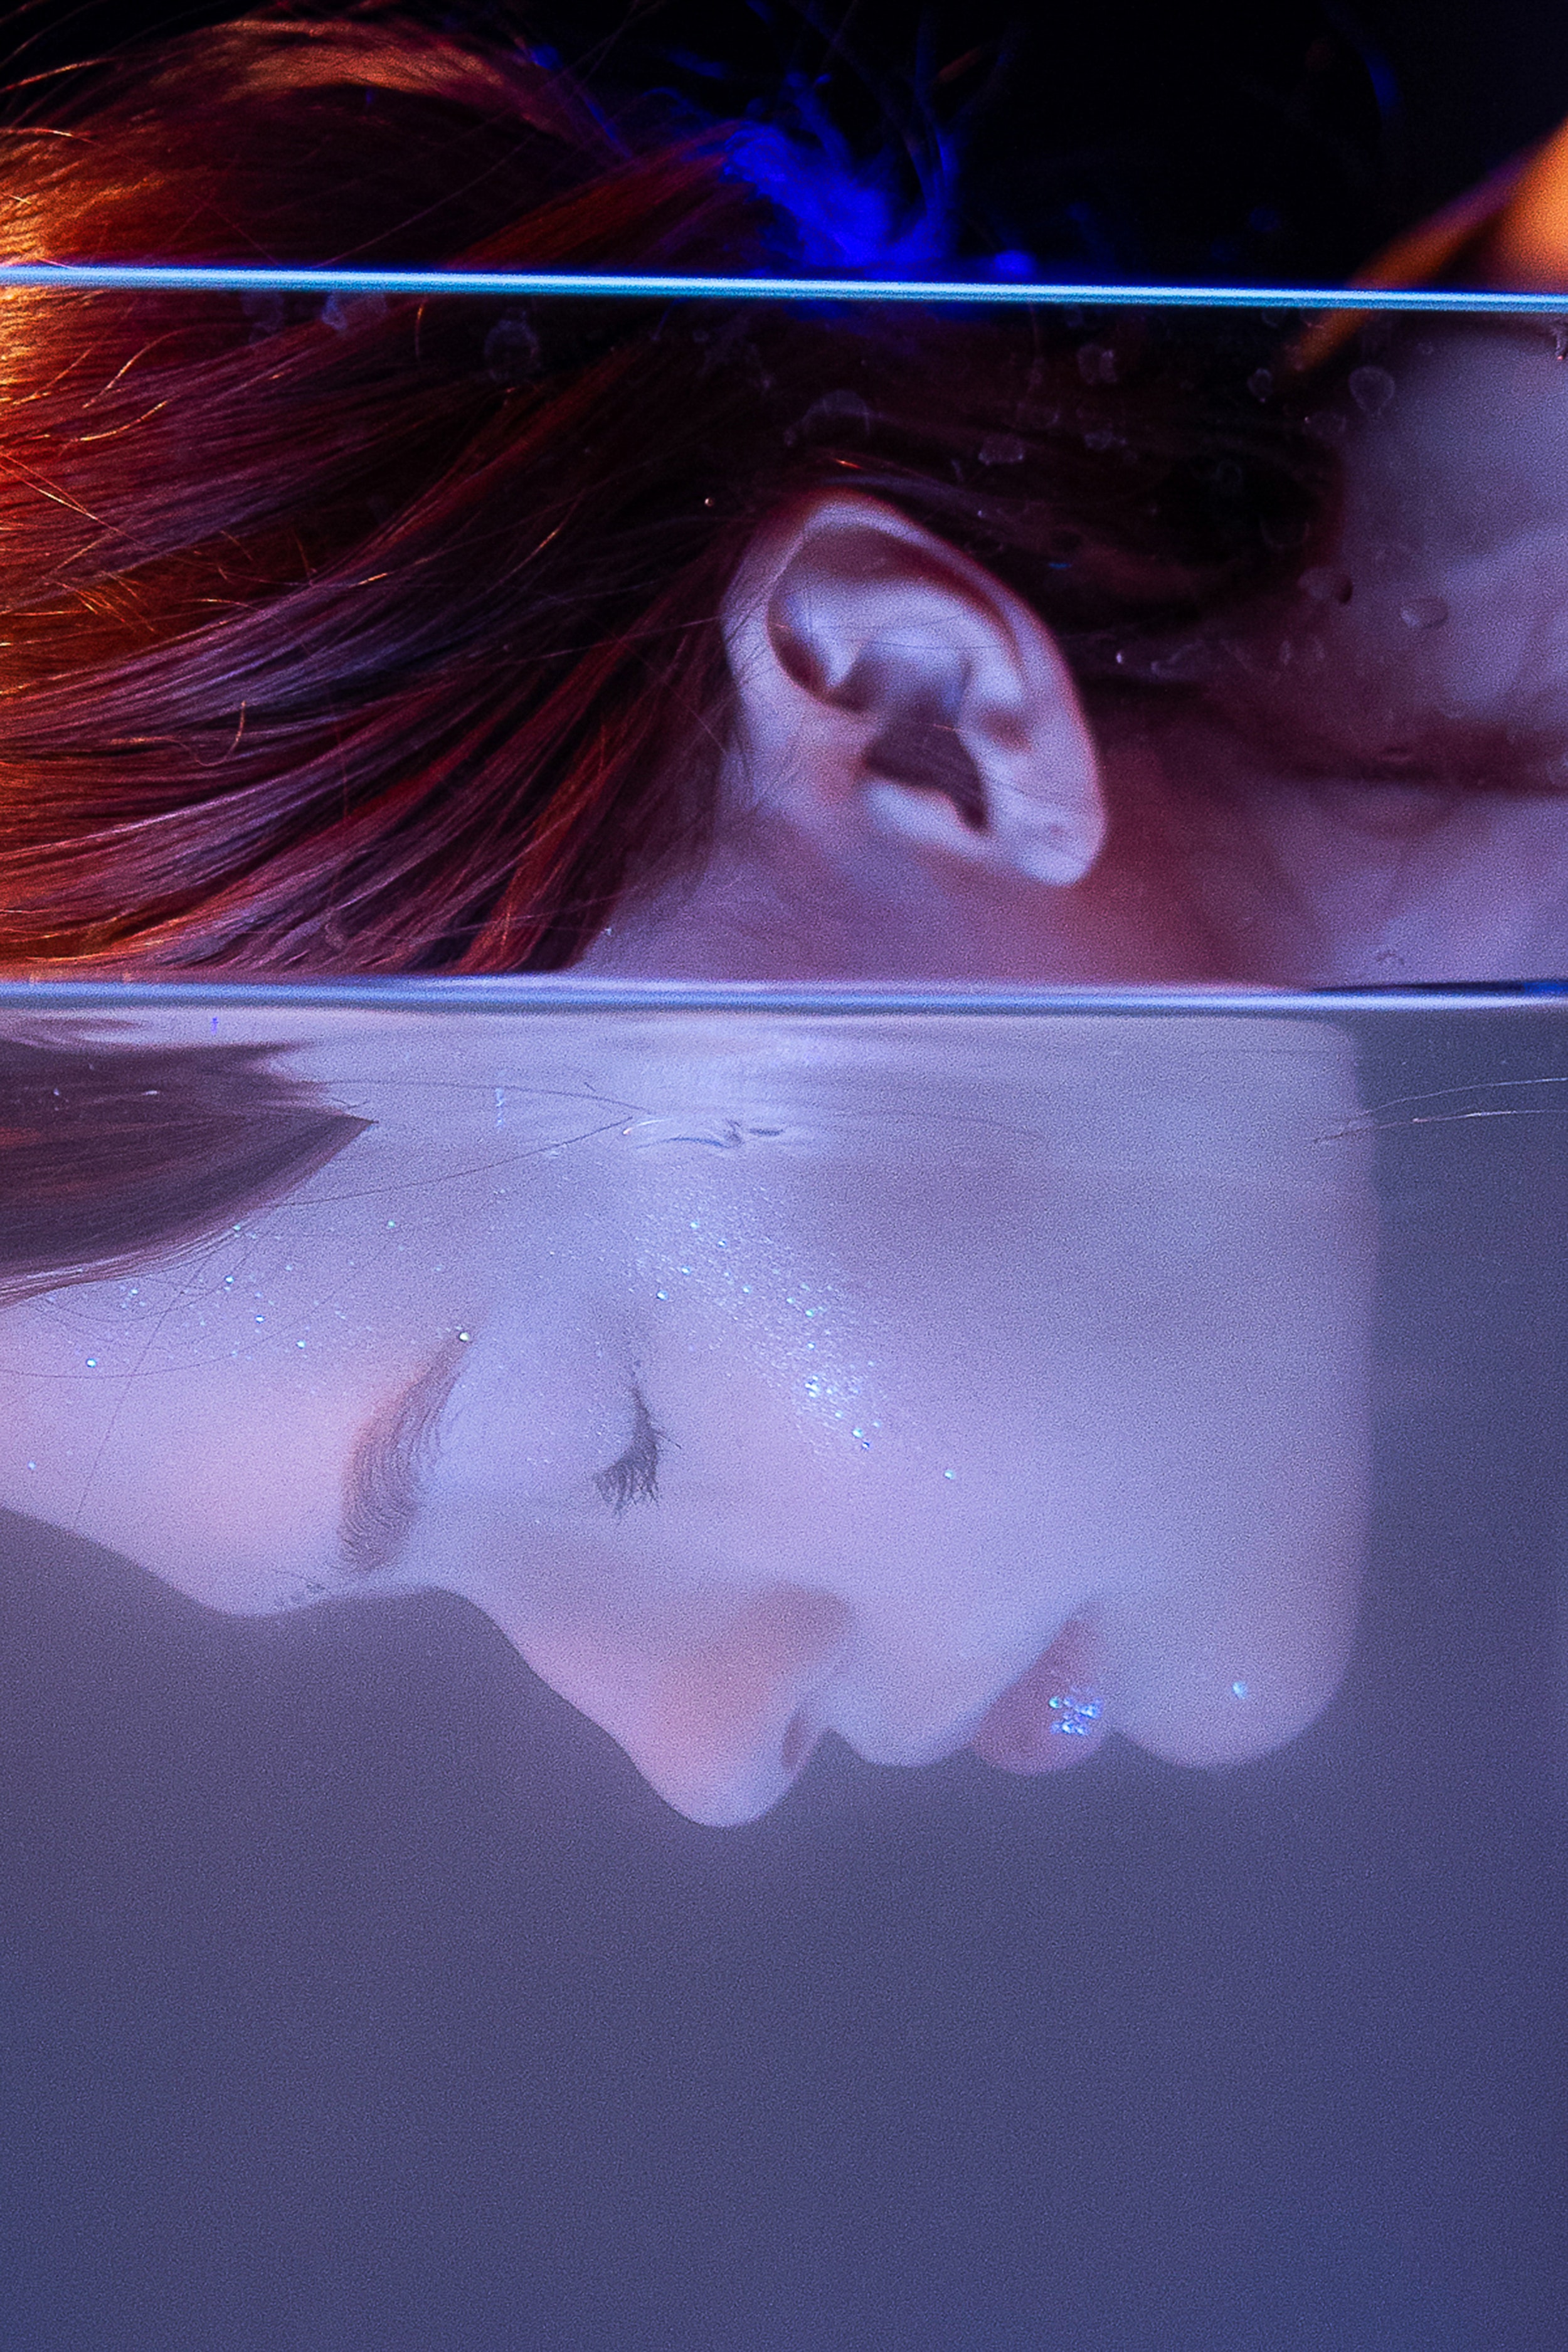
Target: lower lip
<point>1050,1718</point>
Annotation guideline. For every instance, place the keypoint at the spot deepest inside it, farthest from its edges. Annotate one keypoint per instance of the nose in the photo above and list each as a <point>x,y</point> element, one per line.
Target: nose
<point>719,1724</point>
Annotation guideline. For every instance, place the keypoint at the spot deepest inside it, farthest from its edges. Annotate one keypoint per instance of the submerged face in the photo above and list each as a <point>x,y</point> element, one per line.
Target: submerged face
<point>768,1378</point>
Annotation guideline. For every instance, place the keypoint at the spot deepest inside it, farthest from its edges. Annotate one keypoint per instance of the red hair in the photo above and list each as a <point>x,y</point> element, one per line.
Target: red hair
<point>380,636</point>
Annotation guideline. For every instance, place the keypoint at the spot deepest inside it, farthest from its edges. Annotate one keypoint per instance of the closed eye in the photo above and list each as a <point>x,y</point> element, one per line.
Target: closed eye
<point>634,1478</point>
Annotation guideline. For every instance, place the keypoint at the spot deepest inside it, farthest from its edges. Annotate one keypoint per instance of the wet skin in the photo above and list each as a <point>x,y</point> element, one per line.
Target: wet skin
<point>1372,786</point>
<point>1363,782</point>
<point>790,1382</point>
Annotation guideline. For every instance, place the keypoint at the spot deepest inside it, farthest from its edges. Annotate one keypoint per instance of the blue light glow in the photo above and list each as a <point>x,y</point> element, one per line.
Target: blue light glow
<point>631,285</point>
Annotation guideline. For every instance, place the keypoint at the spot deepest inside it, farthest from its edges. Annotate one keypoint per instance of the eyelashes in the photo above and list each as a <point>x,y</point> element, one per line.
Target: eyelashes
<point>634,1478</point>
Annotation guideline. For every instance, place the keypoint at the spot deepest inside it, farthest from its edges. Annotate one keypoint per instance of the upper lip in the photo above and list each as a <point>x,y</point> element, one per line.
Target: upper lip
<point>1071,1656</point>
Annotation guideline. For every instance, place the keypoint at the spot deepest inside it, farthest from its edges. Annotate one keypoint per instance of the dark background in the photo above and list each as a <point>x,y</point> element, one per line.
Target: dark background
<point>1170,139</point>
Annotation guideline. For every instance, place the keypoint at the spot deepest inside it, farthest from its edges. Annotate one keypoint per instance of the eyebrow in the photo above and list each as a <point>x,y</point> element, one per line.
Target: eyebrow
<point>384,1484</point>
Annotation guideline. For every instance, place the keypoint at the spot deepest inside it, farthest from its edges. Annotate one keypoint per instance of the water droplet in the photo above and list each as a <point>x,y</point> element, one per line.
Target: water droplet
<point>1424,612</point>
<point>1325,585</point>
<point>1077,1712</point>
<point>1238,1690</point>
<point>1326,425</point>
<point>1371,389</point>
<point>835,413</point>
<point>1002,449</point>
<point>661,1293</point>
<point>512,352</point>
<point>1184,665</point>
<point>1261,383</point>
<point>1097,364</point>
<point>92,1361</point>
<point>950,1474</point>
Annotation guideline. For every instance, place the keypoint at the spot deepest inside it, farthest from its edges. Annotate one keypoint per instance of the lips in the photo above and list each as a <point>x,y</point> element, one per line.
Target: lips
<point>1051,1717</point>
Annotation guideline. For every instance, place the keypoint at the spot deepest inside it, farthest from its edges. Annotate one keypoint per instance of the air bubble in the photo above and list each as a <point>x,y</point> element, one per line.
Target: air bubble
<point>835,413</point>
<point>512,352</point>
<point>1002,449</point>
<point>1326,425</point>
<point>1186,664</point>
<point>1371,389</point>
<point>1424,612</point>
<point>1325,585</point>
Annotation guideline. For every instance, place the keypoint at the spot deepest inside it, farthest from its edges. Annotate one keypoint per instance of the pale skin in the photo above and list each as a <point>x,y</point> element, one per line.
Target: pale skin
<point>799,1381</point>
<point>1361,792</point>
<point>732,1320</point>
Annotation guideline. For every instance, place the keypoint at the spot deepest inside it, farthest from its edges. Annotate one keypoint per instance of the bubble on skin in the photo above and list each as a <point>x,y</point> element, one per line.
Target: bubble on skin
<point>1424,612</point>
<point>1238,1690</point>
<point>1075,1712</point>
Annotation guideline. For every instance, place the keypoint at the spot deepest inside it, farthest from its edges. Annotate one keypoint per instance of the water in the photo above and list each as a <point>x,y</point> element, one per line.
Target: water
<point>360,1989</point>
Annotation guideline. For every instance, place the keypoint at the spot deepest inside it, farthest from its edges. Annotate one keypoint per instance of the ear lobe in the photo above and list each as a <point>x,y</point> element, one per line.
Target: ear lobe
<point>893,690</point>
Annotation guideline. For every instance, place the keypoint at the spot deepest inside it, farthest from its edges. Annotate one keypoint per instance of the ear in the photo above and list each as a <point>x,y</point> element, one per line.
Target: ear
<point>890,687</point>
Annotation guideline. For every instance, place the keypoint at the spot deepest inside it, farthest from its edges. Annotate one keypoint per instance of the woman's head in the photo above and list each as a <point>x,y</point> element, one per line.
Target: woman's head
<point>761,1376</point>
<point>388,635</point>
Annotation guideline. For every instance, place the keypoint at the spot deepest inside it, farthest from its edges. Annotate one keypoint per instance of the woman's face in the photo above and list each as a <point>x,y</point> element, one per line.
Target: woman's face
<point>765,1378</point>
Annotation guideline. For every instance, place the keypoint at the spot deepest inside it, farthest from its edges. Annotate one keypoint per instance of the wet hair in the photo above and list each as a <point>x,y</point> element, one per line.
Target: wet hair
<point>381,635</point>
<point>115,1157</point>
